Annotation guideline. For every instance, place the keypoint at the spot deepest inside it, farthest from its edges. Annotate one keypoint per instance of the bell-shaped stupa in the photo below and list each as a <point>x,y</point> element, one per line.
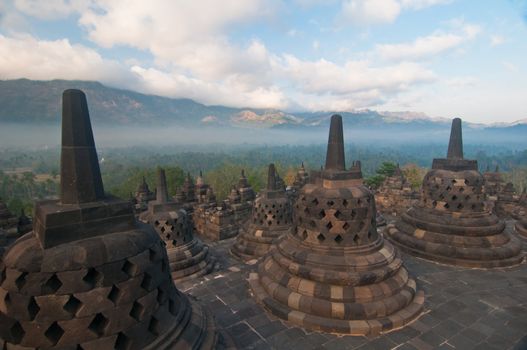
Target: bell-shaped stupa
<point>89,276</point>
<point>271,219</point>
<point>187,255</point>
<point>452,224</point>
<point>334,272</point>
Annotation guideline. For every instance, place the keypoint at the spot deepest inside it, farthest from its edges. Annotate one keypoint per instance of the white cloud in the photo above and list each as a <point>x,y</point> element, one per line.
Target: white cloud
<point>194,57</point>
<point>427,46</point>
<point>496,40</point>
<point>420,4</point>
<point>51,9</point>
<point>316,45</point>
<point>370,11</point>
<point>366,12</point>
<point>27,57</point>
<point>355,79</point>
<point>511,67</point>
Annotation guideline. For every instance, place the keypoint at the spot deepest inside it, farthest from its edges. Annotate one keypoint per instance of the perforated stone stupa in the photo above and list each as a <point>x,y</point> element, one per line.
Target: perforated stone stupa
<point>142,196</point>
<point>89,276</point>
<point>395,195</point>
<point>334,272</point>
<point>187,255</point>
<point>271,219</point>
<point>451,224</point>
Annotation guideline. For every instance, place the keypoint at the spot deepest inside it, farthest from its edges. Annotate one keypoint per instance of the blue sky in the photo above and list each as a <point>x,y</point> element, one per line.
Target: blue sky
<point>444,58</point>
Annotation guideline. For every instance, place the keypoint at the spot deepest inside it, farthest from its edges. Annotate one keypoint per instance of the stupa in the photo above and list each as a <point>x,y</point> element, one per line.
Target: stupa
<point>187,255</point>
<point>334,272</point>
<point>271,219</point>
<point>245,189</point>
<point>142,196</point>
<point>241,209</point>
<point>508,202</point>
<point>8,221</point>
<point>395,195</point>
<point>451,224</point>
<point>89,276</point>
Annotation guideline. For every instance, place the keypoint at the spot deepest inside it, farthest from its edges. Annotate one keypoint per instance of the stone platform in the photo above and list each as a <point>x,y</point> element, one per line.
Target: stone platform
<point>464,309</point>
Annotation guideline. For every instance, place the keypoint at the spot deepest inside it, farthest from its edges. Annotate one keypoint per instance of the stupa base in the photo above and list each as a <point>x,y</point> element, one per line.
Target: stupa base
<point>190,261</point>
<point>456,254</point>
<point>338,326</point>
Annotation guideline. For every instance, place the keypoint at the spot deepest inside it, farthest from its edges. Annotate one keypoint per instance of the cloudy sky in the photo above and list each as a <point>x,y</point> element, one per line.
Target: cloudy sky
<point>445,58</point>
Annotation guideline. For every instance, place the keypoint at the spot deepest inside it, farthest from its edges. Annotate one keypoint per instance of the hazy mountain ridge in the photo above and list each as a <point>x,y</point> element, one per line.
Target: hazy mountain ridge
<point>39,102</point>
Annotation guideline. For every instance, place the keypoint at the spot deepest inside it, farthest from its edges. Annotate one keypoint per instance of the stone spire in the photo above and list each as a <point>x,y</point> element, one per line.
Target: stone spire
<point>162,191</point>
<point>90,276</point>
<point>80,176</point>
<point>454,160</point>
<point>332,271</point>
<point>455,146</point>
<point>271,178</point>
<point>335,158</point>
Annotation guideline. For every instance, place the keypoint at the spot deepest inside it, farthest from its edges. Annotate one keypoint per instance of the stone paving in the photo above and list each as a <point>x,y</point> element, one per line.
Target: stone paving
<point>464,309</point>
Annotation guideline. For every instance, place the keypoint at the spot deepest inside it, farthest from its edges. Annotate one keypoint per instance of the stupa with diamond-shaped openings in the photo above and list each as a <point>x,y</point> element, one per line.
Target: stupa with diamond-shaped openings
<point>334,272</point>
<point>187,255</point>
<point>452,224</point>
<point>271,219</point>
<point>89,276</point>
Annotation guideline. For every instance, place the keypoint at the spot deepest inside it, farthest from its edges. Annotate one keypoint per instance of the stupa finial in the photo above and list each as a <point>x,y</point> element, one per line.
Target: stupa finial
<point>162,192</point>
<point>455,146</point>
<point>335,159</point>
<point>80,175</point>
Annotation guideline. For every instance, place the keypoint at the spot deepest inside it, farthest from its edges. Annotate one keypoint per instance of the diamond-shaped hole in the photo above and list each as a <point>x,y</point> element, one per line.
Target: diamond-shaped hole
<point>345,226</point>
<point>98,324</point>
<point>129,268</point>
<point>337,214</point>
<point>321,214</point>
<point>353,213</point>
<point>172,307</point>
<point>153,326</point>
<point>52,285</point>
<point>114,294</point>
<point>344,203</point>
<point>122,342</point>
<point>339,239</point>
<point>147,282</point>
<point>153,254</point>
<point>137,311</point>
<point>17,333</point>
<point>304,234</point>
<point>330,203</point>
<point>92,277</point>
<point>315,201</point>
<point>356,239</point>
<point>321,238</point>
<point>54,333</point>
<point>329,225</point>
<point>21,280</point>
<point>160,295</point>
<point>33,308</point>
<point>72,305</point>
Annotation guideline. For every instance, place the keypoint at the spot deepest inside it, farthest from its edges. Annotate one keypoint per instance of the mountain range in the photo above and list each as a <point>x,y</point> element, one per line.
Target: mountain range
<point>24,101</point>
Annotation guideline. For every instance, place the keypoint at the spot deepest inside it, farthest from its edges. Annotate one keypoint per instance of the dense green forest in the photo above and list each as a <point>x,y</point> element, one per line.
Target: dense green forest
<point>28,175</point>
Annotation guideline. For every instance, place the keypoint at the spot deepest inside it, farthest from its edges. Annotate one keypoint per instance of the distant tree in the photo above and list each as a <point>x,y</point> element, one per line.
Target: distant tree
<point>414,175</point>
<point>374,181</point>
<point>387,169</point>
